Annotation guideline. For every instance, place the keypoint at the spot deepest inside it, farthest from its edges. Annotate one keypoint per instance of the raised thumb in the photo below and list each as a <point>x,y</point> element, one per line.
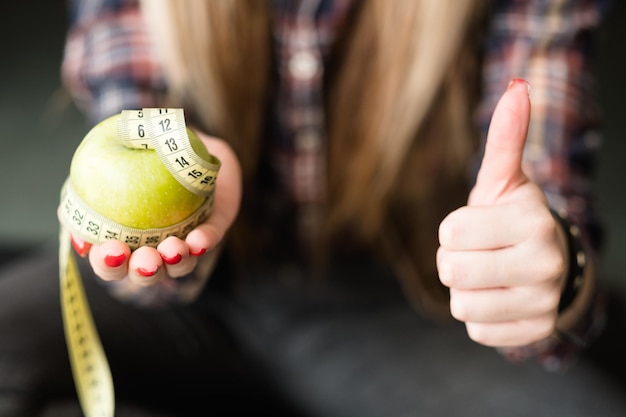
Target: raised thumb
<point>501,168</point>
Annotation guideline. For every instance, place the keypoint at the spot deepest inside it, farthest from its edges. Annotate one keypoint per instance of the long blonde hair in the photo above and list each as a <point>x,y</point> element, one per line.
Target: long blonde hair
<point>399,106</point>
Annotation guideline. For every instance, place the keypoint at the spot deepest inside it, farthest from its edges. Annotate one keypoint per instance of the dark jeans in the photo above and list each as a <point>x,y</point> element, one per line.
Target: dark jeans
<point>280,345</point>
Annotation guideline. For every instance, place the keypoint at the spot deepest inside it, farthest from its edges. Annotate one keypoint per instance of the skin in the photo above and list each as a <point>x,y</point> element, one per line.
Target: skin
<point>503,256</point>
<point>203,239</point>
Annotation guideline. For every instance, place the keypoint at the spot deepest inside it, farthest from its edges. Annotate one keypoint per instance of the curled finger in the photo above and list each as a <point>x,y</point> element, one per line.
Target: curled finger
<point>145,266</point>
<point>110,260</point>
<point>176,257</point>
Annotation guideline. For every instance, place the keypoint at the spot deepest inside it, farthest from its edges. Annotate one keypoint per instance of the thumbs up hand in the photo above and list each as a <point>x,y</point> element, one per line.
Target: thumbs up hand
<point>503,256</point>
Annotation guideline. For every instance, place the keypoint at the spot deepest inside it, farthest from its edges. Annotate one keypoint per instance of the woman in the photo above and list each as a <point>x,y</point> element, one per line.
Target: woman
<point>346,132</point>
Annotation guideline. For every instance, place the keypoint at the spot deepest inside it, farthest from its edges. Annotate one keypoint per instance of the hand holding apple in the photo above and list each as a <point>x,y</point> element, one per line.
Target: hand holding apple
<point>132,187</point>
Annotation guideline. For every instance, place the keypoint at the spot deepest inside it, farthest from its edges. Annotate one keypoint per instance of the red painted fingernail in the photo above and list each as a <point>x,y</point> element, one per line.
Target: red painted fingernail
<point>198,252</point>
<point>113,261</point>
<point>519,81</point>
<point>146,273</point>
<point>80,246</point>
<point>173,260</point>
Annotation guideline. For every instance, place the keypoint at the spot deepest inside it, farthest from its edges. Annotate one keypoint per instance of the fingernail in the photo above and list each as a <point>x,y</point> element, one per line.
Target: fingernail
<point>147,273</point>
<point>519,81</point>
<point>80,246</point>
<point>113,261</point>
<point>173,260</point>
<point>198,252</point>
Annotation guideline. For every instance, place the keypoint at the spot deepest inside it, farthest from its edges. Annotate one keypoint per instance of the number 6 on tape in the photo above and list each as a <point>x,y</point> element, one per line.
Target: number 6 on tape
<point>163,130</point>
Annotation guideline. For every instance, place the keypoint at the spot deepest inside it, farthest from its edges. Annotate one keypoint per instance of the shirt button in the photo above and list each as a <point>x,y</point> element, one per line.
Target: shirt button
<point>303,65</point>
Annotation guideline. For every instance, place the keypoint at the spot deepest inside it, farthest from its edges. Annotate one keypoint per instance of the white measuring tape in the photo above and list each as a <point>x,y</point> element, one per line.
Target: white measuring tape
<point>164,131</point>
<point>80,219</point>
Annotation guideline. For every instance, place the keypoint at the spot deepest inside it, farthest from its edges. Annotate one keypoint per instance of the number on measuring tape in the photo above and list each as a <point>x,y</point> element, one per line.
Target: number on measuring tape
<point>164,131</point>
<point>83,221</point>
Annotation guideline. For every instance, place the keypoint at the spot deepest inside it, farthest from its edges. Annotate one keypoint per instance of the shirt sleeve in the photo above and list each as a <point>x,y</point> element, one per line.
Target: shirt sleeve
<point>549,43</point>
<point>108,63</point>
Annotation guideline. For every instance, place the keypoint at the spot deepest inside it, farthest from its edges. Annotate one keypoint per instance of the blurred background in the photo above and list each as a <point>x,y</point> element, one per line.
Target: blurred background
<point>41,128</point>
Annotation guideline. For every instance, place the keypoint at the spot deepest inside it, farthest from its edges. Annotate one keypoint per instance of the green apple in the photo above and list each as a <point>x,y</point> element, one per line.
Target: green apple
<point>130,186</point>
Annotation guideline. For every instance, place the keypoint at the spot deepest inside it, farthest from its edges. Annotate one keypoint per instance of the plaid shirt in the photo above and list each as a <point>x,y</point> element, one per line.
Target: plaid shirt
<point>109,66</point>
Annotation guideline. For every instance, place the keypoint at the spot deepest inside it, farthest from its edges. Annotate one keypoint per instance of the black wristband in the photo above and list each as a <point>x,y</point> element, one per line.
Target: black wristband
<point>577,260</point>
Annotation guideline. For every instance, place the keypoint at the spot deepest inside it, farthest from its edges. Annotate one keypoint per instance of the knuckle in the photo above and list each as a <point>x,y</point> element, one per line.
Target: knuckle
<point>448,272</point>
<point>459,309</point>
<point>542,328</point>
<point>550,265</point>
<point>545,226</point>
<point>479,334</point>
<point>553,299</point>
<point>559,266</point>
<point>450,231</point>
<point>549,261</point>
<point>553,267</point>
<point>548,300</point>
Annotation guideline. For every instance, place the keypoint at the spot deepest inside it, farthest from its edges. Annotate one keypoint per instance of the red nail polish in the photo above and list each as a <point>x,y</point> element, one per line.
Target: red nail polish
<point>113,261</point>
<point>80,246</point>
<point>519,81</point>
<point>173,260</point>
<point>146,273</point>
<point>198,252</point>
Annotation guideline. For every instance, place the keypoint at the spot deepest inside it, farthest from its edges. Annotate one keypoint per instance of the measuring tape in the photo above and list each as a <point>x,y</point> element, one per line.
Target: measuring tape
<point>92,376</point>
<point>164,131</point>
<point>76,216</point>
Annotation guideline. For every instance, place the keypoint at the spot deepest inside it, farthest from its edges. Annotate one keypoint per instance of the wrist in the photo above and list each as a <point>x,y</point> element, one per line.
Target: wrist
<point>576,261</point>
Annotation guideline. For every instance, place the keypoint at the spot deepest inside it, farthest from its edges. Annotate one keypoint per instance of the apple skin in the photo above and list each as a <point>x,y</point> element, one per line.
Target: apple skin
<point>130,186</point>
